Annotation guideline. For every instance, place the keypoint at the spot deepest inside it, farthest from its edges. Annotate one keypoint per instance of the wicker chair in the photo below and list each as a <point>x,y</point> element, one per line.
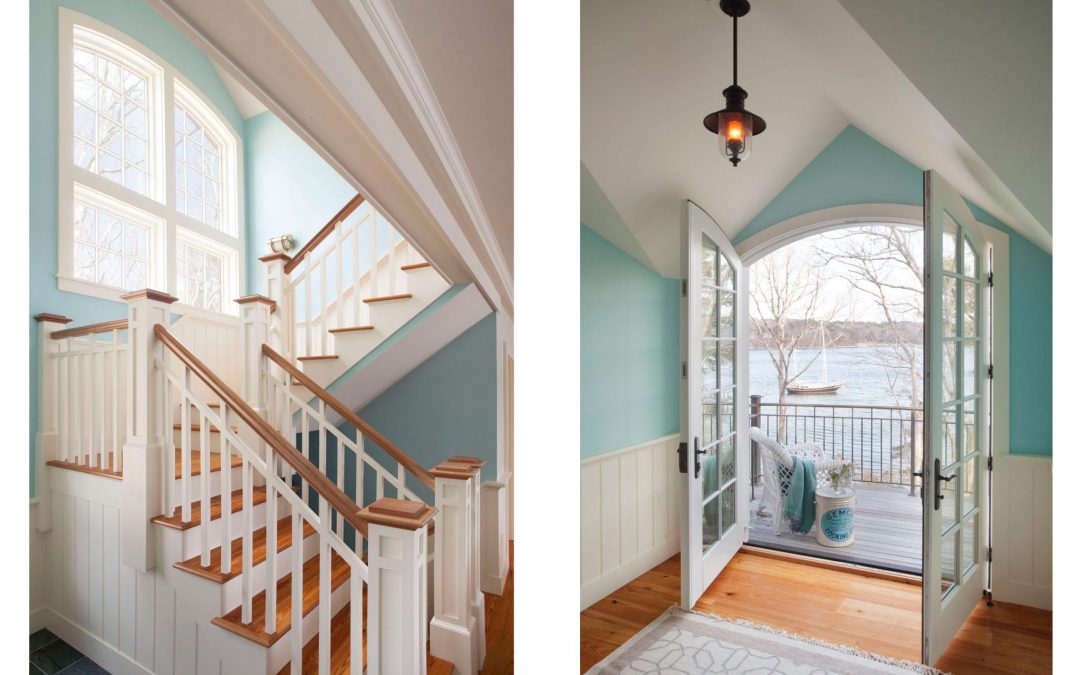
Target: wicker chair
<point>776,466</point>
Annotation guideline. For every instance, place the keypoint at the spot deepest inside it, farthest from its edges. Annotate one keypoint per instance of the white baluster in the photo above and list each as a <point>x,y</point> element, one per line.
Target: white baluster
<point>324,589</point>
<point>204,488</point>
<point>373,275</point>
<point>93,404</point>
<point>226,489</point>
<point>305,443</point>
<point>247,525</point>
<point>355,229</point>
<point>308,335</point>
<point>356,619</point>
<point>117,403</point>
<point>271,544</point>
<point>391,268</point>
<point>297,586</point>
<point>76,383</point>
<point>340,297</point>
<point>63,408</point>
<point>185,448</point>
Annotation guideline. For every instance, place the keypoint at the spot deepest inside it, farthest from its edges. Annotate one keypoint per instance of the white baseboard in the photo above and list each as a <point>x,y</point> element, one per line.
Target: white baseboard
<point>100,652</point>
<point>629,515</point>
<point>596,589</point>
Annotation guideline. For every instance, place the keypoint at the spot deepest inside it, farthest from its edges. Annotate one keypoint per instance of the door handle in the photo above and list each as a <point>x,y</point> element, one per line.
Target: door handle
<point>938,478</point>
<point>684,460</point>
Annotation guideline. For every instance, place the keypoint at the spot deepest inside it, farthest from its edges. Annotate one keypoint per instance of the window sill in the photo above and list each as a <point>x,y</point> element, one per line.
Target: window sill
<point>83,287</point>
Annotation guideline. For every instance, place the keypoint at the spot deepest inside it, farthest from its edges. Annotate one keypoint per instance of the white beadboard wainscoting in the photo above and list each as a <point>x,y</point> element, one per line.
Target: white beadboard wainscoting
<point>126,621</point>
<point>1022,513</point>
<point>629,514</point>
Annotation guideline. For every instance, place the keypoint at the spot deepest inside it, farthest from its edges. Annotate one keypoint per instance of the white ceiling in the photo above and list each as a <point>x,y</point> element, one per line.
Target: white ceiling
<point>466,48</point>
<point>650,71</point>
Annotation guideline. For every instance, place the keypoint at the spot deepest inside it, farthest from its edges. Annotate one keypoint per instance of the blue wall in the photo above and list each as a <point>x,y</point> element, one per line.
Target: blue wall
<point>137,20</point>
<point>447,405</point>
<point>629,349</point>
<point>290,190</point>
<point>856,169</point>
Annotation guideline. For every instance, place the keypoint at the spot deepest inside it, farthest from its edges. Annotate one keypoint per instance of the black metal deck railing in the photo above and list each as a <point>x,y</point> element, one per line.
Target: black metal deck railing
<point>884,443</point>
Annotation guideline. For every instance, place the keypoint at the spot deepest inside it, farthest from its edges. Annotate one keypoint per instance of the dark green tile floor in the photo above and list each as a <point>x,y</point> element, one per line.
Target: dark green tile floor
<point>50,655</point>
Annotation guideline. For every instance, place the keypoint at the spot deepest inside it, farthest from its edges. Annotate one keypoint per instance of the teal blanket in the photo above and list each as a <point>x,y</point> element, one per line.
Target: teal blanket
<point>799,502</point>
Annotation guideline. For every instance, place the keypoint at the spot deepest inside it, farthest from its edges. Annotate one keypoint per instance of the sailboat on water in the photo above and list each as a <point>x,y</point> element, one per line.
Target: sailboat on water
<point>823,387</point>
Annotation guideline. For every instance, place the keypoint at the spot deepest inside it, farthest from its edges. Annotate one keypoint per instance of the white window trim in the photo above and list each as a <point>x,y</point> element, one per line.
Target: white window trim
<point>160,202</point>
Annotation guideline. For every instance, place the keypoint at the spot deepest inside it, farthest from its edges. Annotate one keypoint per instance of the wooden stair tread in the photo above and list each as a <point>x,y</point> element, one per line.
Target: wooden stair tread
<point>328,357</point>
<point>196,428</point>
<point>258,496</point>
<point>196,462</point>
<point>340,651</point>
<point>339,574</point>
<point>106,471</point>
<point>352,329</point>
<point>415,266</point>
<point>389,298</point>
<point>258,552</point>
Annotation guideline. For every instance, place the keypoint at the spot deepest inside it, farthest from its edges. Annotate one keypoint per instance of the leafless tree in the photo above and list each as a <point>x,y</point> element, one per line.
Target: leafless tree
<point>788,296</point>
<point>884,263</point>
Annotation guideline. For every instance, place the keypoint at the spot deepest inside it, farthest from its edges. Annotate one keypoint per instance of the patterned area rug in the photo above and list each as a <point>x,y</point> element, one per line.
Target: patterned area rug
<point>691,643</point>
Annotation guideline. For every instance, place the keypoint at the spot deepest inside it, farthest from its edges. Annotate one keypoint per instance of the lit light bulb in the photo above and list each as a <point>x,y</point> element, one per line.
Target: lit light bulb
<point>735,130</point>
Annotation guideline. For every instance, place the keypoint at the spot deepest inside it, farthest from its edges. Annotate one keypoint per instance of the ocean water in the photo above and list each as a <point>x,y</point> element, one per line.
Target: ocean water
<point>865,379</point>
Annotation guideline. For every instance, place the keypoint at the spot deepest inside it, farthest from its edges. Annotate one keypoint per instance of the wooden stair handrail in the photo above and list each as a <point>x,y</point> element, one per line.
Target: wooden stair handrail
<point>90,329</point>
<point>325,232</point>
<point>383,442</point>
<point>318,481</point>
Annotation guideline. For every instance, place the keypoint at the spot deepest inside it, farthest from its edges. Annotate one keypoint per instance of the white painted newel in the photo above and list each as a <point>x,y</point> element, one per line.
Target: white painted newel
<point>397,585</point>
<point>46,440</point>
<point>279,290</point>
<point>456,629</point>
<point>146,427</point>
<point>494,553</point>
<point>255,323</point>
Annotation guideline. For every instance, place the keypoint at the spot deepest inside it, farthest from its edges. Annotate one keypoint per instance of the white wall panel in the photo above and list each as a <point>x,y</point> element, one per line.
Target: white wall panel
<point>629,521</point>
<point>1022,530</point>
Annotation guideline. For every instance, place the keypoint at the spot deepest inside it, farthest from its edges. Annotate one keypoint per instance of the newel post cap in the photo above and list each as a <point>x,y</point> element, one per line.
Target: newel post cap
<point>248,299</point>
<point>456,470</point>
<point>402,514</point>
<point>149,294</point>
<point>51,318</point>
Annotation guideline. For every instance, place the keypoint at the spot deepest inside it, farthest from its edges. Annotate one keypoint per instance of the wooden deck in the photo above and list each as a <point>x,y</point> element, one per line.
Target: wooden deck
<point>888,531</point>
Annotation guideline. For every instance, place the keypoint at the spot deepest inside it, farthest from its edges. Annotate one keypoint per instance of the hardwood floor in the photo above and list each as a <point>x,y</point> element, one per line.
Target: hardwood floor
<point>875,614</point>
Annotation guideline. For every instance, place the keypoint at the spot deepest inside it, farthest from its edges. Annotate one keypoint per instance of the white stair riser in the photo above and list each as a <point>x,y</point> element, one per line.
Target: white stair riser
<point>215,485</point>
<point>196,440</point>
<point>190,538</point>
<point>355,345</point>
<point>232,590</point>
<point>323,371</point>
<point>390,315</point>
<point>425,283</point>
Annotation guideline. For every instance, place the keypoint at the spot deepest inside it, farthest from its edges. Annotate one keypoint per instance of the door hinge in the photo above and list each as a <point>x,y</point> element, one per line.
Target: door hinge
<point>684,369</point>
<point>990,279</point>
<point>989,554</point>
<point>990,371</point>
<point>684,288</point>
<point>989,463</point>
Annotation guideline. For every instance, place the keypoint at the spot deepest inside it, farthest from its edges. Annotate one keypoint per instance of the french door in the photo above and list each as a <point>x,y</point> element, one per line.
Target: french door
<point>715,449</point>
<point>957,408</point>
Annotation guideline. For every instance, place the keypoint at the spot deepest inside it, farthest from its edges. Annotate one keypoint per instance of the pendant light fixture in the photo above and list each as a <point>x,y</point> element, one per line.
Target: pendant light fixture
<point>735,125</point>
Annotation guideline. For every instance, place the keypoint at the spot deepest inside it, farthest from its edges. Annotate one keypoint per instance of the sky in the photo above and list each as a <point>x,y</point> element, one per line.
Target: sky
<point>838,291</point>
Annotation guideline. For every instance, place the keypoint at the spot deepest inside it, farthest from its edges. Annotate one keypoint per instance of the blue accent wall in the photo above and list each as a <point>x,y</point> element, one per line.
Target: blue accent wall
<point>629,349</point>
<point>140,22</point>
<point>856,169</point>
<point>447,405</point>
<point>290,190</point>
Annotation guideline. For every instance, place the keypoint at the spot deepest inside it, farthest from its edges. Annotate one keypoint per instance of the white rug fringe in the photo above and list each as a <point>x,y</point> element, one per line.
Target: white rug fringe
<point>853,651</point>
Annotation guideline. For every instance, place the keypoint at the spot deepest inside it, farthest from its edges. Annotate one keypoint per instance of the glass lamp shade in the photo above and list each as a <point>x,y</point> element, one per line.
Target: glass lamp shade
<point>736,131</point>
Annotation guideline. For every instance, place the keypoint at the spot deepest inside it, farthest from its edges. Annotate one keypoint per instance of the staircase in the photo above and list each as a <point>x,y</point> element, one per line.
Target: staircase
<point>257,553</point>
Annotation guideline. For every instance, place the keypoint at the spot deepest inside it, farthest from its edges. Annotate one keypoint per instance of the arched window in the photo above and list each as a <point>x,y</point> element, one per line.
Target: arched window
<point>149,175</point>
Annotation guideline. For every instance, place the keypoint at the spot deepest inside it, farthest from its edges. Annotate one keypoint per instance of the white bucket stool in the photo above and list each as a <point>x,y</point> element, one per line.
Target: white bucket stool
<point>835,516</point>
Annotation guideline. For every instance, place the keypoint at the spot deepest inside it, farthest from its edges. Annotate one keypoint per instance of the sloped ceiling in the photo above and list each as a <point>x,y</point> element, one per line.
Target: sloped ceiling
<point>650,72</point>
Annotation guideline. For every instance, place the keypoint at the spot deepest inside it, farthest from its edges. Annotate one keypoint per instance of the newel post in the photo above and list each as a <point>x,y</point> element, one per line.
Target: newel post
<point>457,633</point>
<point>397,585</point>
<point>279,289</point>
<point>45,443</point>
<point>145,384</point>
<point>255,331</point>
